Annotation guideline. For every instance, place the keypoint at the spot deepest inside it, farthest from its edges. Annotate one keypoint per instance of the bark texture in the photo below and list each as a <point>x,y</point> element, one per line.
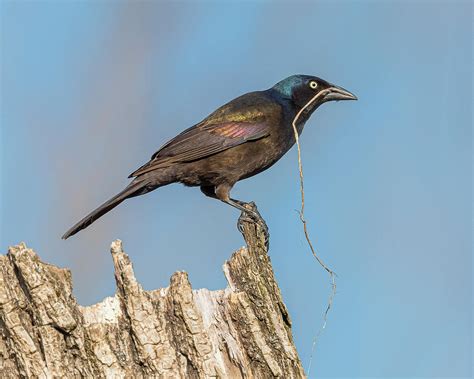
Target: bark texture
<point>243,331</point>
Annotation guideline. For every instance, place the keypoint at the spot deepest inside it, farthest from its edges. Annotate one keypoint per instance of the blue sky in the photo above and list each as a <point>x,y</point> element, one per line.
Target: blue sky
<point>89,90</point>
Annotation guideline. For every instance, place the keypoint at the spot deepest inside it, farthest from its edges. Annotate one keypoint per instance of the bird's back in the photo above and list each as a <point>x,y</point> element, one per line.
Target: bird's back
<point>249,117</point>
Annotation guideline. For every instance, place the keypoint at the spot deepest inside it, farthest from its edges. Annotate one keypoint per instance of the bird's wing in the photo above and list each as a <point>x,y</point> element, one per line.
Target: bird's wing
<point>230,126</point>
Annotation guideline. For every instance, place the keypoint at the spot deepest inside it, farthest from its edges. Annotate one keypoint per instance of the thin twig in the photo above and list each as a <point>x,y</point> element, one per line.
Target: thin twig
<point>331,273</point>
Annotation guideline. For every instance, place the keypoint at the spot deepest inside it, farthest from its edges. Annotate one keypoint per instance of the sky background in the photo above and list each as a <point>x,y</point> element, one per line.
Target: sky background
<point>90,89</point>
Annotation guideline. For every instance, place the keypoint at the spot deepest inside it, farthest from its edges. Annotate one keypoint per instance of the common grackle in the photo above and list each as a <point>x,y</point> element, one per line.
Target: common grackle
<point>240,139</point>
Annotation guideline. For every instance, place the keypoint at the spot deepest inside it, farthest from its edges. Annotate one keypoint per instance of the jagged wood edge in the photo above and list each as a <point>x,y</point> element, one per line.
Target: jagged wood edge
<point>241,331</point>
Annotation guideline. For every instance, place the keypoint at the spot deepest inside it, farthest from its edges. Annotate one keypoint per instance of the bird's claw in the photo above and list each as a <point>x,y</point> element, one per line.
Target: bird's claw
<point>244,217</point>
<point>254,217</point>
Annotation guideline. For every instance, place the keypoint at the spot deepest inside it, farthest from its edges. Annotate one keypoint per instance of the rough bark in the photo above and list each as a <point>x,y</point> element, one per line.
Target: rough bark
<point>243,331</point>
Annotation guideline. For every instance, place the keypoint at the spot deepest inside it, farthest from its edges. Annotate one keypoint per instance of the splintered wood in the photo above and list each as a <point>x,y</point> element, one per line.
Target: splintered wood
<point>243,331</point>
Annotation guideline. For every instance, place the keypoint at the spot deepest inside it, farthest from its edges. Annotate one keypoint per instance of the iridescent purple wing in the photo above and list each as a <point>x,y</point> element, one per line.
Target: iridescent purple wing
<point>198,142</point>
<point>244,119</point>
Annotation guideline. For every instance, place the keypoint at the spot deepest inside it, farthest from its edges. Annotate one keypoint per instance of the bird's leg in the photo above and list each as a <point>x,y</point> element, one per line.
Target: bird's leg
<point>255,215</point>
<point>243,203</point>
<point>211,192</point>
<point>248,215</point>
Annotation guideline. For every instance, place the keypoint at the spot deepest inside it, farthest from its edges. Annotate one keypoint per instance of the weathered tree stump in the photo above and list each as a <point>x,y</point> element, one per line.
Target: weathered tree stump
<point>243,331</point>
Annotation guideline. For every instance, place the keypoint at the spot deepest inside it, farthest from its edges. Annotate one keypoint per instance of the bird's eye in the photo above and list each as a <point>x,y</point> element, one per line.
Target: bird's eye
<point>313,84</point>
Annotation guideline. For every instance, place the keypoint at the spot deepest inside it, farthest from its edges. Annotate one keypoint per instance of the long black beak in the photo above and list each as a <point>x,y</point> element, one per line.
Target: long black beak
<point>339,93</point>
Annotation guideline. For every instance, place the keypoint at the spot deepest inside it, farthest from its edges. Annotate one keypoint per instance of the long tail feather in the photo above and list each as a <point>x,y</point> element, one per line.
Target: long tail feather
<point>134,189</point>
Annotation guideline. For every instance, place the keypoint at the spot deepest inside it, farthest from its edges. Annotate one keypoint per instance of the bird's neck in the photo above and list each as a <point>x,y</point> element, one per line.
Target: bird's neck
<point>291,110</point>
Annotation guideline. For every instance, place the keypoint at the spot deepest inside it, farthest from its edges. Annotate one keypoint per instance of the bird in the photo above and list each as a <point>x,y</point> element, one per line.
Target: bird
<point>238,140</point>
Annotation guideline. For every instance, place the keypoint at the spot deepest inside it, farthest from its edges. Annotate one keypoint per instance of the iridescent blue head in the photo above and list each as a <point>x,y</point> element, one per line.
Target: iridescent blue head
<point>309,92</point>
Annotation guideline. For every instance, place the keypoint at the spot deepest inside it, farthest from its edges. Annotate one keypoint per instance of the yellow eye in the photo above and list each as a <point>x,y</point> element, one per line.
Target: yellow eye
<point>313,84</point>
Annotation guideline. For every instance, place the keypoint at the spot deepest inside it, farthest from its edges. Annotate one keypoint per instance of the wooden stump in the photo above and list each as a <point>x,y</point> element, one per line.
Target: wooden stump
<point>243,331</point>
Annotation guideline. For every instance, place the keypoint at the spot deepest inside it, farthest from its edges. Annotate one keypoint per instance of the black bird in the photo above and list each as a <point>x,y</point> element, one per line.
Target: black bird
<point>238,140</point>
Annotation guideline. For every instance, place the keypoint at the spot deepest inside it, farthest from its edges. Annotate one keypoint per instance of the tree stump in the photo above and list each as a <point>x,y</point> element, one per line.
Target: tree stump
<point>243,331</point>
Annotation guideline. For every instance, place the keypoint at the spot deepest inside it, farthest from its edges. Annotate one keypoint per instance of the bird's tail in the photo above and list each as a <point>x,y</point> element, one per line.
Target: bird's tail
<point>133,189</point>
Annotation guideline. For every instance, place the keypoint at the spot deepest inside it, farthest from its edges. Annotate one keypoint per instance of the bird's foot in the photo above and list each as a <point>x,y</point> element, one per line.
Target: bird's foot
<point>253,216</point>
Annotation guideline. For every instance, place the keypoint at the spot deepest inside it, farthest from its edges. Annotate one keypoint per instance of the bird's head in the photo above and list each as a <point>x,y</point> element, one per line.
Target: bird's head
<point>309,92</point>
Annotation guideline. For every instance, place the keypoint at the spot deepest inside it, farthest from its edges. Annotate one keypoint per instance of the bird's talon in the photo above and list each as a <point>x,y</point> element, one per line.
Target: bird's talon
<point>254,217</point>
<point>243,218</point>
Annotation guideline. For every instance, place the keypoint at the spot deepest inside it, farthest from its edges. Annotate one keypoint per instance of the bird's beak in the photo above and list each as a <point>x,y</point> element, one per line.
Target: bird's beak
<point>339,93</point>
